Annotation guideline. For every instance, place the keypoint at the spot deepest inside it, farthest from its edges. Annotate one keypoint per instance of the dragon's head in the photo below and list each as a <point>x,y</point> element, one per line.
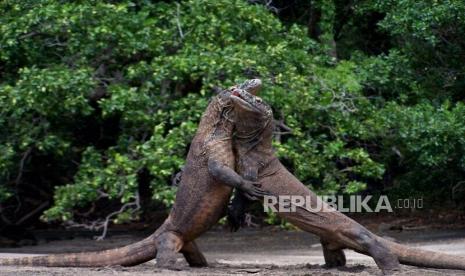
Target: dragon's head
<point>244,98</point>
<point>252,86</point>
<point>252,114</point>
<point>249,104</point>
<point>224,104</point>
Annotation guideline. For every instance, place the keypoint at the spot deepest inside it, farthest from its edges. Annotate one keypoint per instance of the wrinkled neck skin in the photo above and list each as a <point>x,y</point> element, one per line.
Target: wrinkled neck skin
<point>217,121</point>
<point>253,135</point>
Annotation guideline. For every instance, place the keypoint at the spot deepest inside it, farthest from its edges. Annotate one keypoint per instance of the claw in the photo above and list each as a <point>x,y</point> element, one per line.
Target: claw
<point>250,196</point>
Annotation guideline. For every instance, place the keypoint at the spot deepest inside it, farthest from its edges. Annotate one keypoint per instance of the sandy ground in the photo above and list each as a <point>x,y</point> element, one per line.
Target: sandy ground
<point>248,252</point>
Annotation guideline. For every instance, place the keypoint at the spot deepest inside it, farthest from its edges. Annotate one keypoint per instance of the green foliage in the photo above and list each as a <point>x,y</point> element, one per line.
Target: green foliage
<point>104,91</point>
<point>273,219</point>
<point>418,85</point>
<point>429,143</point>
<point>427,39</point>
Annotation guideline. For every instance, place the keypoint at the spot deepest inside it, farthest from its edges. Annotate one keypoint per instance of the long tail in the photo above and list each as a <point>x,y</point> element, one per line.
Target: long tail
<point>424,258</point>
<point>129,255</point>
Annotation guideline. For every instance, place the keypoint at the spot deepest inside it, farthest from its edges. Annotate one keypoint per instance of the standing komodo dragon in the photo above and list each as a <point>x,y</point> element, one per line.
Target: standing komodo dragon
<point>200,202</point>
<point>256,161</point>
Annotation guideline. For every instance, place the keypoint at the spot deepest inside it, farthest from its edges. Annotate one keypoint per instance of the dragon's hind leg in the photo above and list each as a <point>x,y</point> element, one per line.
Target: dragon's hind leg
<point>193,255</point>
<point>168,245</point>
<point>334,256</point>
<point>386,260</point>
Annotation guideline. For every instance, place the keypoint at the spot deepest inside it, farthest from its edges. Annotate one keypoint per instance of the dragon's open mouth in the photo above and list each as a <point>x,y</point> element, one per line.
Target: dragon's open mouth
<point>235,93</point>
<point>245,100</point>
<point>242,102</point>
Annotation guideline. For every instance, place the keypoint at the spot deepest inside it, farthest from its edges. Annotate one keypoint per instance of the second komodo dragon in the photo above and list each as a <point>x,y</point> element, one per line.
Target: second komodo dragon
<point>256,161</point>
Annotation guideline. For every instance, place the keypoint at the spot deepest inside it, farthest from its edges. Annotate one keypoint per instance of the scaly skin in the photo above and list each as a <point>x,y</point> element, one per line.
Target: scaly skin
<point>200,202</point>
<point>256,161</point>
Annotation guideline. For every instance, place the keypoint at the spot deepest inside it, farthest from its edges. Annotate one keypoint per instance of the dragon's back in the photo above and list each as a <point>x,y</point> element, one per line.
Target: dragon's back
<point>201,199</point>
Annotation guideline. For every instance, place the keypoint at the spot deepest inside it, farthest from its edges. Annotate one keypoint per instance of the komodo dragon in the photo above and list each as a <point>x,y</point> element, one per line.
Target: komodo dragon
<point>256,161</point>
<point>200,201</point>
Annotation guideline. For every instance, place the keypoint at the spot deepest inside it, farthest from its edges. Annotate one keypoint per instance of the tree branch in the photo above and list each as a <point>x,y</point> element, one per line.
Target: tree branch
<point>32,213</point>
<point>135,203</point>
<point>178,22</point>
<point>21,165</point>
<point>103,224</point>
